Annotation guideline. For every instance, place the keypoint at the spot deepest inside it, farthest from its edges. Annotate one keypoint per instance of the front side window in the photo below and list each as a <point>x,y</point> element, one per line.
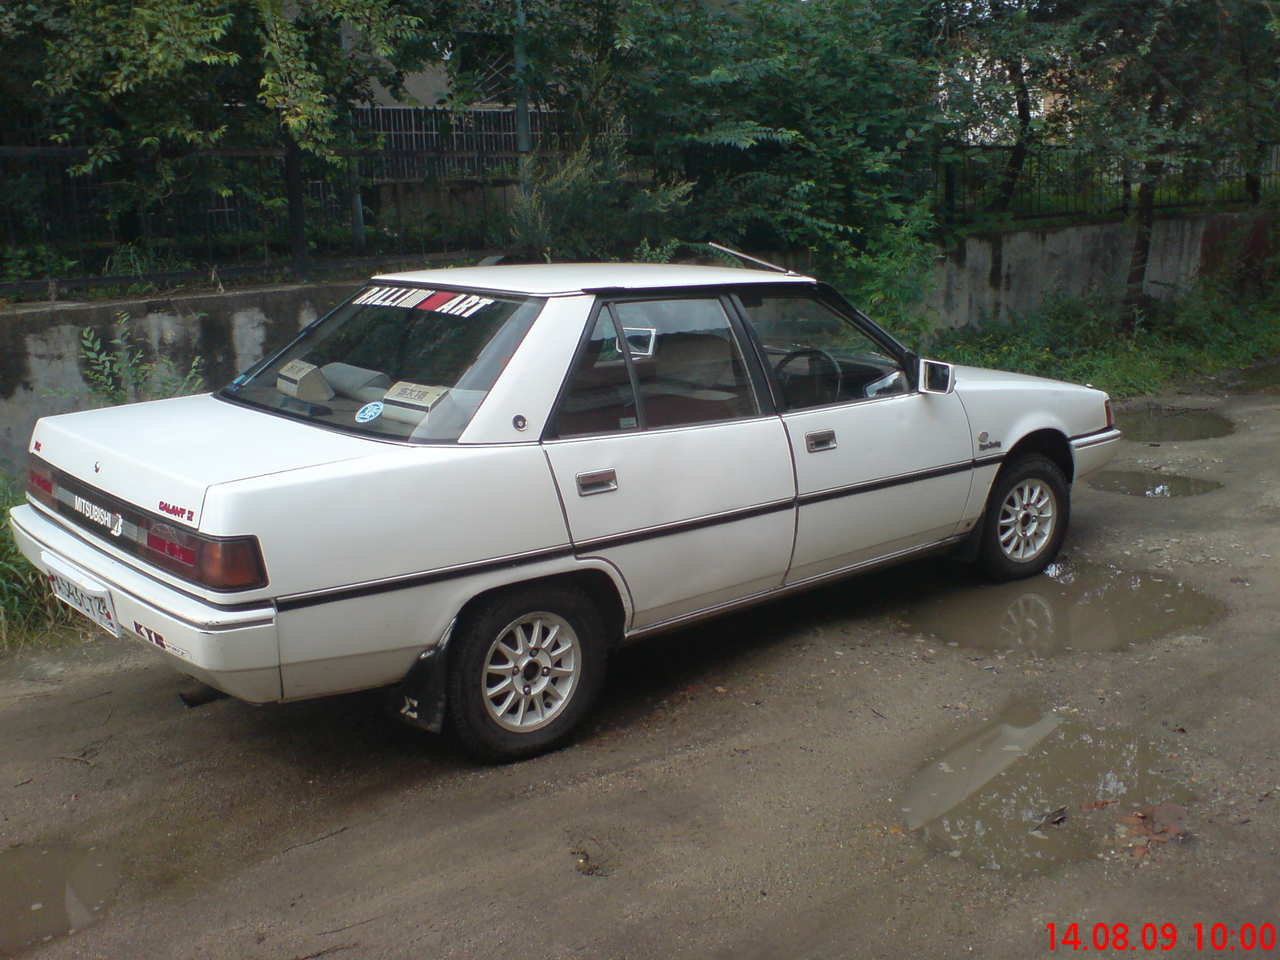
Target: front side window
<point>404,363</point>
<point>657,363</point>
<point>818,356</point>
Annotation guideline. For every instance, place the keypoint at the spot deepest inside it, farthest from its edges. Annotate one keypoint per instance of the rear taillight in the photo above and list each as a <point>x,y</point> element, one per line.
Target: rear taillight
<point>219,563</point>
<point>1111,417</point>
<point>233,563</point>
<point>40,482</point>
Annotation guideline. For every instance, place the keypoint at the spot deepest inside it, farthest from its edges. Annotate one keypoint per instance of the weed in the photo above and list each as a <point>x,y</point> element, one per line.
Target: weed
<point>120,372</point>
<point>1076,339</point>
<point>26,605</point>
<point>139,260</point>
<point>33,263</point>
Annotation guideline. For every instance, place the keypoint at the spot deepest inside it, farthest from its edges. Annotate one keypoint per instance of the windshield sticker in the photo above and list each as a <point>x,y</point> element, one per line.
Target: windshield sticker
<point>370,411</point>
<point>416,395</point>
<point>403,297</point>
<point>455,304</point>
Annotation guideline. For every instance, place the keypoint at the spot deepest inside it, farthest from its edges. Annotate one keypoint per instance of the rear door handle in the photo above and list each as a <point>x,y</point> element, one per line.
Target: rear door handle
<point>598,481</point>
<point>820,440</point>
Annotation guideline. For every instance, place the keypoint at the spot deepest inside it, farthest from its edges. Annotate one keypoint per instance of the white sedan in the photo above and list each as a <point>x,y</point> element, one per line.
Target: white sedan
<point>471,484</point>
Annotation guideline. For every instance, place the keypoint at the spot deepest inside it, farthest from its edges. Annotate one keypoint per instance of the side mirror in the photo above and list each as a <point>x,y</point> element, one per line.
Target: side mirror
<point>936,377</point>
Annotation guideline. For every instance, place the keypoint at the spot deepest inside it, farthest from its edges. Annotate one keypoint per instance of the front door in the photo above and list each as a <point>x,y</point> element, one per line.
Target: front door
<point>669,464</point>
<point>881,469</point>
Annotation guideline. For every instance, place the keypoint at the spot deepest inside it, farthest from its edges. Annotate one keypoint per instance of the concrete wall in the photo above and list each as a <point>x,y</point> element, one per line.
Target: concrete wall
<point>41,368</point>
<point>996,276</point>
<point>993,276</point>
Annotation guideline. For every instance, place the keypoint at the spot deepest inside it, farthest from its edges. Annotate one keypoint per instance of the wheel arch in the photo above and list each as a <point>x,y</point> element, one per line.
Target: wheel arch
<point>598,586</point>
<point>419,699</point>
<point>1047,442</point>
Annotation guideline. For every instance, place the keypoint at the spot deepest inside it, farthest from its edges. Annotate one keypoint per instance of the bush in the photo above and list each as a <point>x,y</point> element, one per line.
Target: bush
<point>591,205</point>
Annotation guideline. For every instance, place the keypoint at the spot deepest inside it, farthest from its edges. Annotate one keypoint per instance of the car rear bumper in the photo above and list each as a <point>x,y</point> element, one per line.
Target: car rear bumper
<point>1094,451</point>
<point>233,648</point>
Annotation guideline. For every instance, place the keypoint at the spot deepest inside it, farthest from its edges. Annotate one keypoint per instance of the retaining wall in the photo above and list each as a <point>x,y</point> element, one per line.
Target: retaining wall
<point>42,369</point>
<point>984,277</point>
<point>995,276</point>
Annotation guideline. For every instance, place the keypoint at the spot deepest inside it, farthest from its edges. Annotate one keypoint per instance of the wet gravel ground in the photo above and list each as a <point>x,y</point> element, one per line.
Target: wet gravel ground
<point>911,764</point>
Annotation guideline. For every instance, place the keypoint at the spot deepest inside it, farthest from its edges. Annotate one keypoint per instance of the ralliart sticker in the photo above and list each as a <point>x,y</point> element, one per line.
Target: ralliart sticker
<point>439,301</point>
<point>404,297</point>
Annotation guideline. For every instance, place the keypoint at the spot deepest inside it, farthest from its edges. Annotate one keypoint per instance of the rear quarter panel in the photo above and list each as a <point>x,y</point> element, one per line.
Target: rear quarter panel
<point>357,524</point>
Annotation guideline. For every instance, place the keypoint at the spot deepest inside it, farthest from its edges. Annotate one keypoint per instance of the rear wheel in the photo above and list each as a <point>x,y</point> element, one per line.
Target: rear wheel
<point>527,666</point>
<point>1026,518</point>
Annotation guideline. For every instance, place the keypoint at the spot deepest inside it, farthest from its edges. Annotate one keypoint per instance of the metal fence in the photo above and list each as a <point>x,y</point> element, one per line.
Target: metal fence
<point>430,180</point>
<point>1069,182</point>
<point>416,144</point>
<point>426,180</point>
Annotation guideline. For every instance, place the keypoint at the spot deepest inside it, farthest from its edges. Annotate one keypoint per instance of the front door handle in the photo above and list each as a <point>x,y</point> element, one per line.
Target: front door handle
<point>598,481</point>
<point>820,440</point>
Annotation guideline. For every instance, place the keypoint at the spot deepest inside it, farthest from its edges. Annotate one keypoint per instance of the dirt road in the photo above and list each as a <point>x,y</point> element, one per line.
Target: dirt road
<point>909,765</point>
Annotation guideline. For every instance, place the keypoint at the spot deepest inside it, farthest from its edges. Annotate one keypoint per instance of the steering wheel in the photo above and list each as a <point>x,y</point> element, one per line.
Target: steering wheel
<point>825,388</point>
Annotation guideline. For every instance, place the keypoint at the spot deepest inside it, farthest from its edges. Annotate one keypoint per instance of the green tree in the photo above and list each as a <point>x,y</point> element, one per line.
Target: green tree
<point>147,84</point>
<point>803,125</point>
<point>1169,85</point>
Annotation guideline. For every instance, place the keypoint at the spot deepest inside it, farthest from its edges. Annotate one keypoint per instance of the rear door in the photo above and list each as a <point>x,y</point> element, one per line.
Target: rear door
<point>881,469</point>
<point>670,462</point>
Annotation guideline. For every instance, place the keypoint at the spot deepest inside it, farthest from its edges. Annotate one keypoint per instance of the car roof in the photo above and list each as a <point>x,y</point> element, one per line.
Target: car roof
<point>546,279</point>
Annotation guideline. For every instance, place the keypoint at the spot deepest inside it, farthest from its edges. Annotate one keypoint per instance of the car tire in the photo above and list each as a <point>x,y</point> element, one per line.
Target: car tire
<point>525,666</point>
<point>1026,518</point>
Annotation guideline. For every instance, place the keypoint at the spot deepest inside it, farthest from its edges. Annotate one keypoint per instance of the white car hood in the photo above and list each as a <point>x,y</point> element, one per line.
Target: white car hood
<point>163,455</point>
<point>982,376</point>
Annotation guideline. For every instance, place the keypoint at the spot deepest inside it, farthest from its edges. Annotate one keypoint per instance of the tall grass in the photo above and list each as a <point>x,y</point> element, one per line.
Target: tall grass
<point>26,605</point>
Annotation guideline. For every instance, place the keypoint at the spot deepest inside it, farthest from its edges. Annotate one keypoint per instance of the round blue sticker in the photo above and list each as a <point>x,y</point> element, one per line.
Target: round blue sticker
<point>370,411</point>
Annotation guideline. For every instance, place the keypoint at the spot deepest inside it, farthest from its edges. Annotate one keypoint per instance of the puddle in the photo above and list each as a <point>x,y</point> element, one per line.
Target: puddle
<point>52,890</point>
<point>1149,483</point>
<point>1155,423</point>
<point>1264,378</point>
<point>1070,607</point>
<point>1029,791</point>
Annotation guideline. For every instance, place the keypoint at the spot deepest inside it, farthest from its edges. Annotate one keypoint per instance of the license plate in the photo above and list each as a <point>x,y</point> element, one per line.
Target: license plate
<point>94,603</point>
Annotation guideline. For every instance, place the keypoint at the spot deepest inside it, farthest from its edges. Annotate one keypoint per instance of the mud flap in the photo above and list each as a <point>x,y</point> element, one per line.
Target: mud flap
<point>971,545</point>
<point>418,699</point>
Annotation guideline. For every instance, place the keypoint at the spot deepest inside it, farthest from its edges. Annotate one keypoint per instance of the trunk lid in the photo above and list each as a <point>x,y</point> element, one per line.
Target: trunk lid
<point>163,455</point>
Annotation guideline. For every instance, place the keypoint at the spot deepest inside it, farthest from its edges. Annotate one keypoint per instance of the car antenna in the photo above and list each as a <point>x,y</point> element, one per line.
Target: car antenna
<point>747,258</point>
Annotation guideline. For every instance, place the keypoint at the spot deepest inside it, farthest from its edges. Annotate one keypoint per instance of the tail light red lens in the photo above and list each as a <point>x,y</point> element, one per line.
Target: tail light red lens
<point>1111,417</point>
<point>221,564</point>
<point>40,483</point>
<point>173,544</point>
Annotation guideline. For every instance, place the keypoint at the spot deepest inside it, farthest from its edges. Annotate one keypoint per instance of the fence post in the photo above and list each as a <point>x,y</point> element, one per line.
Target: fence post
<point>297,206</point>
<point>523,145</point>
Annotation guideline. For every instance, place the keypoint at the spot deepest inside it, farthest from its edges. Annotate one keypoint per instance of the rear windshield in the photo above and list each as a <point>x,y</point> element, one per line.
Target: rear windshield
<point>400,362</point>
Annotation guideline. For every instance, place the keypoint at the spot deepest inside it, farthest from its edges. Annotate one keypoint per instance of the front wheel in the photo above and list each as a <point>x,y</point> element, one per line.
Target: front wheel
<point>1026,518</point>
<point>527,666</point>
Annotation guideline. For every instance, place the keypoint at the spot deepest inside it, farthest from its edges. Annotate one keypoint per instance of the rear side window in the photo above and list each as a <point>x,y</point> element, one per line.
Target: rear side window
<point>657,363</point>
<point>405,363</point>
